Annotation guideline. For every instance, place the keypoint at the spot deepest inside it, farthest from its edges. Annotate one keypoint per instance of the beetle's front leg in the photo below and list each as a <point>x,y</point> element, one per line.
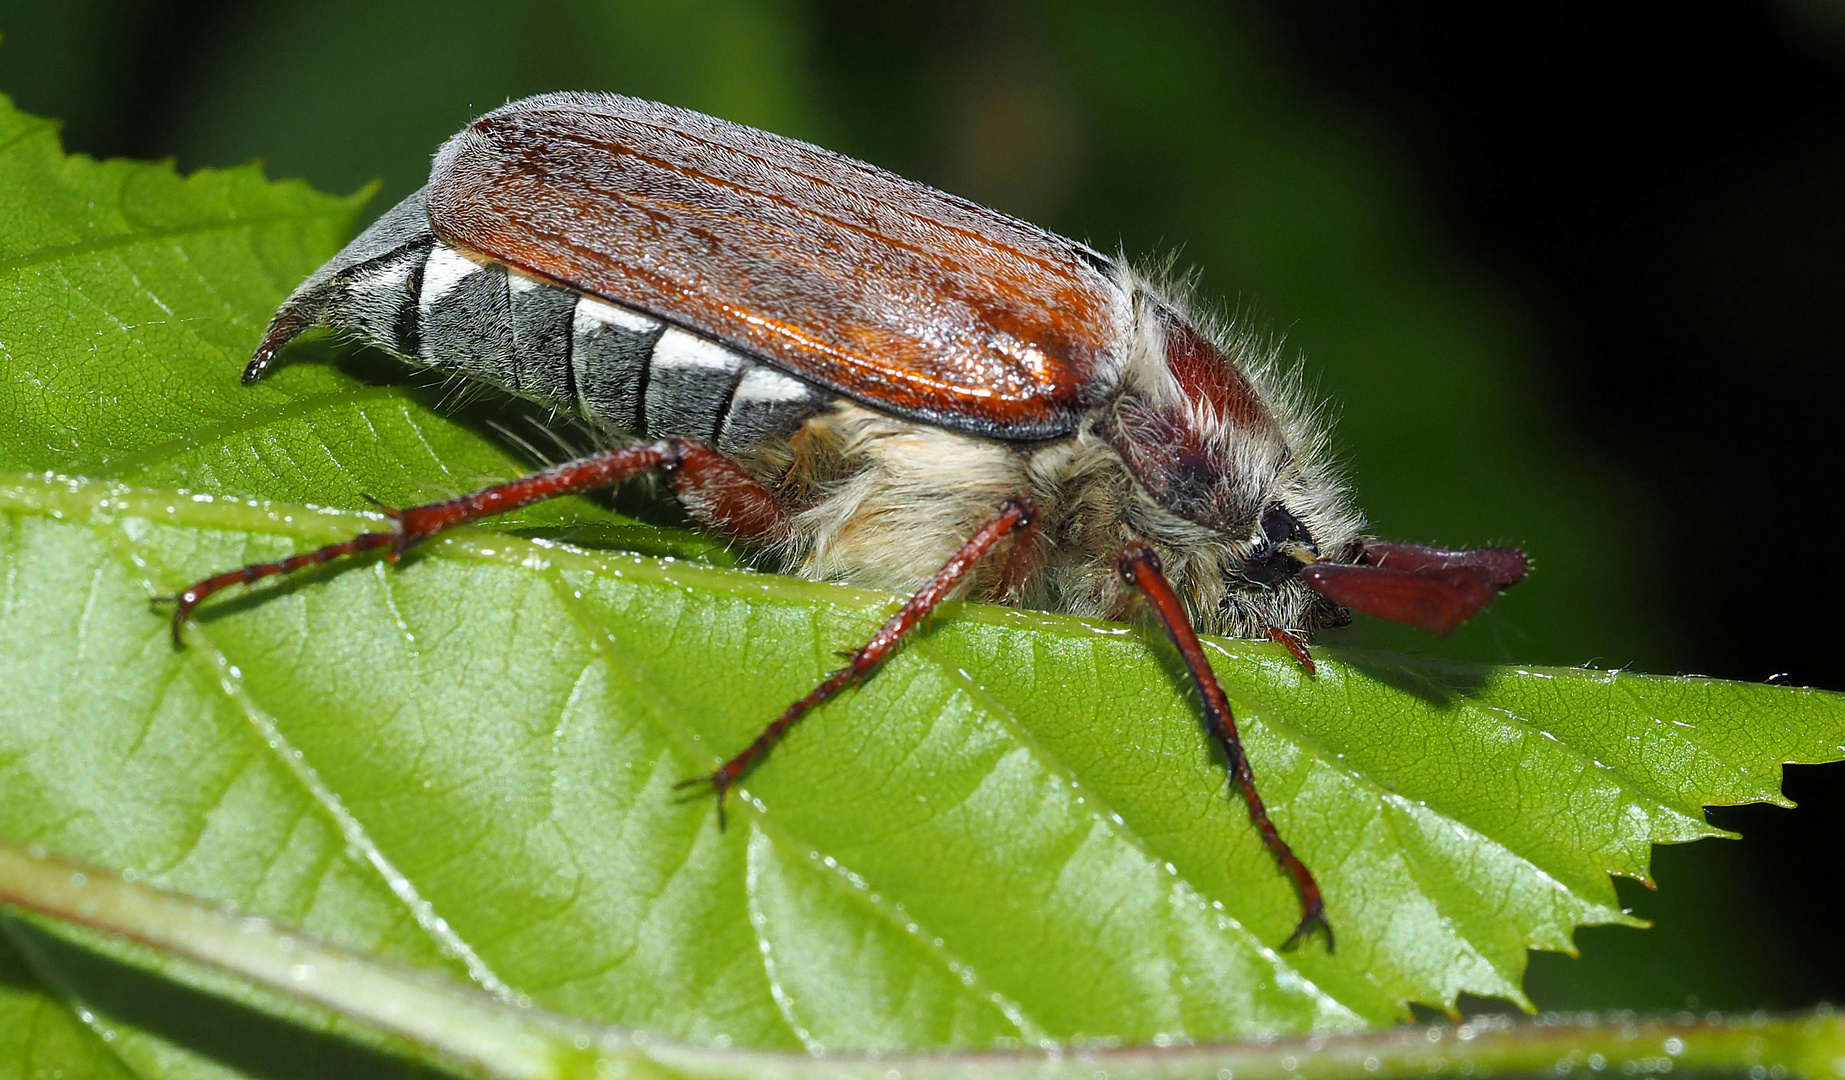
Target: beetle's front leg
<point>1015,518</point>
<point>1291,640</point>
<point>1141,567</point>
<point>713,489</point>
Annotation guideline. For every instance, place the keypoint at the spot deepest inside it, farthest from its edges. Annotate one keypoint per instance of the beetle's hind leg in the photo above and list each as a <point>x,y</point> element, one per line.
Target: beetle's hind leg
<point>714,489</point>
<point>1015,519</point>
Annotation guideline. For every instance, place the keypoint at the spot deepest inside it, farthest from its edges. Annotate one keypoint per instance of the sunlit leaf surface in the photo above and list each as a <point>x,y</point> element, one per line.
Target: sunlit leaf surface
<point>1014,833</point>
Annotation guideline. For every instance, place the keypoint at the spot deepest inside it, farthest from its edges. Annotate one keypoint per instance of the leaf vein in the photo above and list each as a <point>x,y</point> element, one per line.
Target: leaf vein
<point>216,665</point>
<point>603,641</point>
<point>54,253</point>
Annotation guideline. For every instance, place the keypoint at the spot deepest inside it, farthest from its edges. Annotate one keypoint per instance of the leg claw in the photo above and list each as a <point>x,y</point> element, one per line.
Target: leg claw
<point>181,611</point>
<point>720,786</point>
<point>391,512</point>
<point>1312,919</point>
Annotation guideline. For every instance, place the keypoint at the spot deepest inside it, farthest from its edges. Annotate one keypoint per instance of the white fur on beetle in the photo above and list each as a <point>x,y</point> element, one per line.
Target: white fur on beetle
<point>888,501</point>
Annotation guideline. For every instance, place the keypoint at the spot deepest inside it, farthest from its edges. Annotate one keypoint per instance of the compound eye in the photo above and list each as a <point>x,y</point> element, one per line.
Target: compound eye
<point>1279,526</point>
<point>1273,555</point>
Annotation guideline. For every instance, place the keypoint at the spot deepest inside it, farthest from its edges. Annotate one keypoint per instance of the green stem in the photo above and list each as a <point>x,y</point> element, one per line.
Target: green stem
<point>477,1033</point>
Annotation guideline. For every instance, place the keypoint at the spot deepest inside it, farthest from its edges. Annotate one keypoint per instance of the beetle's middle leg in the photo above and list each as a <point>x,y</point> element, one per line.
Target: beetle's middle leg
<point>714,489</point>
<point>1015,519</point>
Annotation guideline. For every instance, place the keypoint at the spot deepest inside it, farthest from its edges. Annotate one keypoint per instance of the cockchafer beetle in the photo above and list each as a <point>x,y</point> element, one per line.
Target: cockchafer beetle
<point>875,382</point>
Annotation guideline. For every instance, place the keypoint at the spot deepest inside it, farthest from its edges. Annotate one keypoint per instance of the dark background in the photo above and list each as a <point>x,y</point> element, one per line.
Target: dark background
<point>1574,275</point>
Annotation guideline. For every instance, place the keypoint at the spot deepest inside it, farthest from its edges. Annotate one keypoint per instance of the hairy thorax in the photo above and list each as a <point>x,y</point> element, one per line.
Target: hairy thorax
<point>882,501</point>
<point>1200,447</point>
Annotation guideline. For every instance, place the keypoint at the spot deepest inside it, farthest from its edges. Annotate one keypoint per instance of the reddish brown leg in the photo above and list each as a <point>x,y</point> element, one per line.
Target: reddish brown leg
<point>715,489</point>
<point>1141,567</point>
<point>1297,648</point>
<point>1015,514</point>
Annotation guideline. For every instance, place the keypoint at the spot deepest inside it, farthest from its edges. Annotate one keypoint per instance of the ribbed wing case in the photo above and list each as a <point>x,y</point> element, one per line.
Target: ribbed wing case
<point>885,290</point>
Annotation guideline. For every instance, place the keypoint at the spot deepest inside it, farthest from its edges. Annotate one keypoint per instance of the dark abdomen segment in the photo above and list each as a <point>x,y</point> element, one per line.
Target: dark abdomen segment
<point>620,370</point>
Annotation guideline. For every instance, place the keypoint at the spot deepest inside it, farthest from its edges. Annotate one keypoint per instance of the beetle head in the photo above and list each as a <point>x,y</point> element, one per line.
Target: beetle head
<point>1263,525</point>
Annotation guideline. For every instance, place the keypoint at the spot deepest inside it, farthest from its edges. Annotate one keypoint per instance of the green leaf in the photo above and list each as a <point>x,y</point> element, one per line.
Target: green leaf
<point>420,1016</point>
<point>39,1035</point>
<point>130,295</point>
<point>1015,833</point>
